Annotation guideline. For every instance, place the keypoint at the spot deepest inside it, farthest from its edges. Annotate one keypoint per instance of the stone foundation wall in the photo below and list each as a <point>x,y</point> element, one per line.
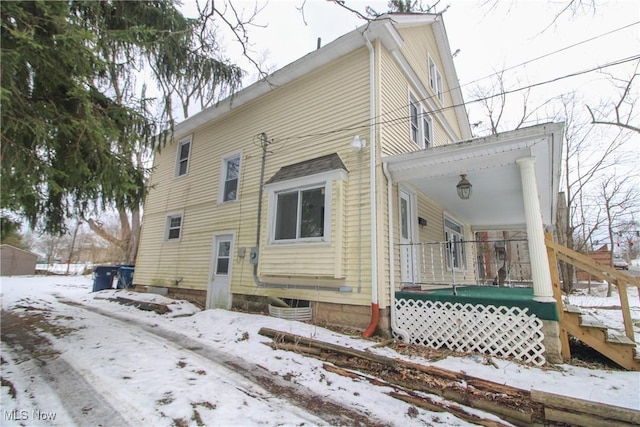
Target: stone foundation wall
<point>552,343</point>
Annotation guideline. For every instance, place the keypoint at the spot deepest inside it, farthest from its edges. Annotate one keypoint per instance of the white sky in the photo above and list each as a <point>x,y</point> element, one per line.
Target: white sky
<point>151,369</point>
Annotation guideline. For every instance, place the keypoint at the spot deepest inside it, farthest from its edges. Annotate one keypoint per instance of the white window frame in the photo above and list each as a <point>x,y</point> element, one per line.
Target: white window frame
<point>322,180</point>
<point>179,160</point>
<point>460,250</point>
<point>435,78</point>
<point>418,118</point>
<point>168,227</point>
<point>223,176</point>
<point>426,134</point>
<point>414,119</point>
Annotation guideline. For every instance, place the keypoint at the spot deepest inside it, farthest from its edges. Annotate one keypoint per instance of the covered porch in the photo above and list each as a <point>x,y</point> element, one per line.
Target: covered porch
<point>451,293</point>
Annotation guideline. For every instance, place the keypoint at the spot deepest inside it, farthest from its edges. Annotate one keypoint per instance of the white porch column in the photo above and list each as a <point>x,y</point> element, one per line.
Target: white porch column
<point>541,275</point>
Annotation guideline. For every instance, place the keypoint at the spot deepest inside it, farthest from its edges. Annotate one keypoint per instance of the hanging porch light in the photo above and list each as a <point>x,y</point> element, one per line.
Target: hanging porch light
<point>464,187</point>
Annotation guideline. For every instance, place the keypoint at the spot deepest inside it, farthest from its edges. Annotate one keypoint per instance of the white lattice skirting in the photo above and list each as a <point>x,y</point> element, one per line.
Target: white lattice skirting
<point>498,331</point>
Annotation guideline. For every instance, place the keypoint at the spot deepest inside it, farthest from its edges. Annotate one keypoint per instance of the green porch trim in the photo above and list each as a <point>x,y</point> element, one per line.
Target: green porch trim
<point>488,295</point>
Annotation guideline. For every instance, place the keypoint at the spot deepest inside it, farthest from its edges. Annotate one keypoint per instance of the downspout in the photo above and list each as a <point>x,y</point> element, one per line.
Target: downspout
<point>255,250</point>
<point>392,265</point>
<point>375,308</point>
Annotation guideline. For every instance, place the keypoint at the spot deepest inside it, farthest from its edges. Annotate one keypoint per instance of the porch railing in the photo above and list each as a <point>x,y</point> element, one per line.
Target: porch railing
<point>621,281</point>
<point>465,262</point>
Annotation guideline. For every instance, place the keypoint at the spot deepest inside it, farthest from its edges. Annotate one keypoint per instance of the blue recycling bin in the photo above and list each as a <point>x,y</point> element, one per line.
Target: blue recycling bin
<point>125,276</point>
<point>103,276</point>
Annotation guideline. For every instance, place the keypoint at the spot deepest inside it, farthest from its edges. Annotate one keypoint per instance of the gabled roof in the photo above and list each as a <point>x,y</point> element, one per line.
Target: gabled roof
<point>383,28</point>
<point>315,166</point>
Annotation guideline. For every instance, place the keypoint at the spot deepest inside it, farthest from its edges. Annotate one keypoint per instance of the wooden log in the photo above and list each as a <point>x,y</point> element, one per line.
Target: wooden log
<point>581,419</point>
<point>278,335</point>
<point>295,348</point>
<point>455,410</point>
<point>603,410</point>
<point>491,386</point>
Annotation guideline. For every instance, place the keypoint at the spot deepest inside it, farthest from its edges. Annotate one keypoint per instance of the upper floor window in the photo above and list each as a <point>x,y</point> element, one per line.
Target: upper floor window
<point>230,177</point>
<point>421,126</point>
<point>414,109</point>
<point>454,236</point>
<point>182,157</point>
<point>173,227</point>
<point>427,130</point>
<point>435,79</point>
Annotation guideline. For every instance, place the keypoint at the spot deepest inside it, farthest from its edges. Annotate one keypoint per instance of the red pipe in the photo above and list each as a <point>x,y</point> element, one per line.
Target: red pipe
<point>375,317</point>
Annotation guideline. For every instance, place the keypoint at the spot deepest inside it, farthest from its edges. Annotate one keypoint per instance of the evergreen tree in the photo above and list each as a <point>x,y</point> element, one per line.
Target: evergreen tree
<point>75,122</point>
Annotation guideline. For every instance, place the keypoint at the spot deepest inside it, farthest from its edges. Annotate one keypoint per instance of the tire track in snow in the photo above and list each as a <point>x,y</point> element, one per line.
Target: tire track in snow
<point>332,412</point>
<point>81,401</point>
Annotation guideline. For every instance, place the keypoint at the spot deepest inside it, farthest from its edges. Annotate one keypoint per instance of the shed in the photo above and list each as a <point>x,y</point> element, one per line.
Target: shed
<point>16,262</point>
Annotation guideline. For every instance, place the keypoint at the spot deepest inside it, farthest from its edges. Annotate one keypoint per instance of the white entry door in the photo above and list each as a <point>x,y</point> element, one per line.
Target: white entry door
<point>219,292</point>
<point>407,227</point>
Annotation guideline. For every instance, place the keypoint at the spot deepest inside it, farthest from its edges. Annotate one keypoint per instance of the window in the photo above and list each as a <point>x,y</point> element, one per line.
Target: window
<point>421,128</point>
<point>182,157</point>
<point>427,133</point>
<point>174,227</point>
<point>413,112</point>
<point>454,235</point>
<point>300,214</point>
<point>435,78</point>
<point>300,200</point>
<point>230,177</point>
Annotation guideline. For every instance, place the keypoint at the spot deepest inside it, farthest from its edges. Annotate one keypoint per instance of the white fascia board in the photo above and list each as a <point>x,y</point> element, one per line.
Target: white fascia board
<point>520,139</point>
<point>452,77</point>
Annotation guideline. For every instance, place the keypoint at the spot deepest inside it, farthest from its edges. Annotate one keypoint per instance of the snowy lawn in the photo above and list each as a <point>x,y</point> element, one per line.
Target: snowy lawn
<point>182,386</point>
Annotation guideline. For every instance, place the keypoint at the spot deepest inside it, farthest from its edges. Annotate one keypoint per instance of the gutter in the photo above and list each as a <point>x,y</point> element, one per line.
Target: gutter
<point>375,308</point>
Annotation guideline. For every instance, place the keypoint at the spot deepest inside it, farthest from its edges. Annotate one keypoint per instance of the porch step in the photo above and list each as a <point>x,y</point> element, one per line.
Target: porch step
<point>596,335</point>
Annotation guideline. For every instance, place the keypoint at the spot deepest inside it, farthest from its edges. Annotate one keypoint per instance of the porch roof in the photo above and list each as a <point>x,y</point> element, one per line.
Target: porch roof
<point>490,166</point>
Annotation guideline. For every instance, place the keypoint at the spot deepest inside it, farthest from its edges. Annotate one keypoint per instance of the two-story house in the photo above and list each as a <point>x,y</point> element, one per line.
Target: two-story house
<point>348,184</point>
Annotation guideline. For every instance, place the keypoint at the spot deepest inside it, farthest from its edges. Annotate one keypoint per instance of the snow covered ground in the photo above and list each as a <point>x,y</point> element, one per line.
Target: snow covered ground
<point>191,367</point>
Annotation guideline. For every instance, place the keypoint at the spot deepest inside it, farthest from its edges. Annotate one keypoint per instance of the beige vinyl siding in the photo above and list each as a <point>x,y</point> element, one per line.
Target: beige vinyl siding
<point>395,122</point>
<point>419,43</point>
<point>331,99</point>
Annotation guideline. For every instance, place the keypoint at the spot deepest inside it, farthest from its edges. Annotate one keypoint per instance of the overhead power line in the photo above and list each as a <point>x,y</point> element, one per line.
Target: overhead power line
<point>366,124</point>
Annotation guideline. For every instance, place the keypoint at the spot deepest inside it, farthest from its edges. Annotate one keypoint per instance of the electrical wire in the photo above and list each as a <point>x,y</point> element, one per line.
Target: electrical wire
<point>356,127</point>
<point>402,119</point>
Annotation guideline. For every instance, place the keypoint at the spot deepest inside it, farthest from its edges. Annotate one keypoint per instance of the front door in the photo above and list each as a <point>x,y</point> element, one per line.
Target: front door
<point>219,292</point>
<point>407,251</point>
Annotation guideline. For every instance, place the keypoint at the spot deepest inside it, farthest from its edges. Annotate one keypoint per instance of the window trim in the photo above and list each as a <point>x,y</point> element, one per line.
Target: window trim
<point>223,176</point>
<point>435,79</point>
<point>167,226</point>
<point>324,179</point>
<point>463,253</point>
<point>181,142</point>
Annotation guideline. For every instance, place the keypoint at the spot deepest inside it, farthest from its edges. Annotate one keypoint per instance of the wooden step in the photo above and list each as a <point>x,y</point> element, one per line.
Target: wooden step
<point>572,309</point>
<point>618,339</point>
